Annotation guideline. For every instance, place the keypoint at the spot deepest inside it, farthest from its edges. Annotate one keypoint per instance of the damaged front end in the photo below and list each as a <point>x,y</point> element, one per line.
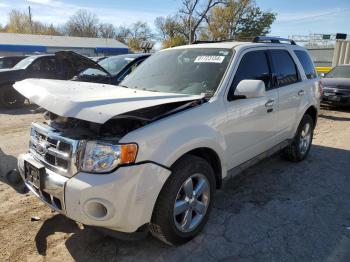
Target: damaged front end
<point>118,126</point>
<point>68,145</point>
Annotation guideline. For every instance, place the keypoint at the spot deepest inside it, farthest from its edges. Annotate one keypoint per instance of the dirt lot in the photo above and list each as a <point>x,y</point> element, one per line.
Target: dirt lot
<point>277,211</point>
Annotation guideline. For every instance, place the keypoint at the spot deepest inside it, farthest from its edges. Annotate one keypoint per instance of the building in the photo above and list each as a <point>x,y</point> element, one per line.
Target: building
<point>25,44</point>
<point>341,53</point>
<point>321,56</point>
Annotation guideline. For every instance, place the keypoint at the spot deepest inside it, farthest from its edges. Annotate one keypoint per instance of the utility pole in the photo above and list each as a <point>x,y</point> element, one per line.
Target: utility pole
<point>30,19</point>
<point>190,25</point>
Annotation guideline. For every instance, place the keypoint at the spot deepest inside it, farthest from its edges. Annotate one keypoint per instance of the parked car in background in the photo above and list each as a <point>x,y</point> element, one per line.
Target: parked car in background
<point>118,68</point>
<point>336,86</point>
<point>150,153</point>
<point>98,58</point>
<point>10,61</point>
<point>61,65</point>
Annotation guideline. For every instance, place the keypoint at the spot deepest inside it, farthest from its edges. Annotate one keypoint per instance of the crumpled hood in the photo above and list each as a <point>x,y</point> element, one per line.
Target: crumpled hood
<point>90,101</point>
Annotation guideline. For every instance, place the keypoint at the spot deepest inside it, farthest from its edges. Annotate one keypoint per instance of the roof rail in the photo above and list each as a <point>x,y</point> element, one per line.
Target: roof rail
<point>212,41</point>
<point>274,40</point>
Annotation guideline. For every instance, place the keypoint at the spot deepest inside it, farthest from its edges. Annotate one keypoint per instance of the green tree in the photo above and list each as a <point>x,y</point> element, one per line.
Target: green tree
<point>255,23</point>
<point>170,31</point>
<point>239,19</point>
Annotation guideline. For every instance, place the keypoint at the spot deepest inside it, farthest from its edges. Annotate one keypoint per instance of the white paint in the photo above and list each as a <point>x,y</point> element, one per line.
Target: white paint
<point>90,101</point>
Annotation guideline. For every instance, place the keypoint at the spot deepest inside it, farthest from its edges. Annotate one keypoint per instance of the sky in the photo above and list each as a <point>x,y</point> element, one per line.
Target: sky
<point>294,17</point>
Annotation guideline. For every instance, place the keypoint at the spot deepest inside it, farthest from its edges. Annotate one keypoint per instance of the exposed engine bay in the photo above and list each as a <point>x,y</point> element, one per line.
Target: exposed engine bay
<point>118,126</point>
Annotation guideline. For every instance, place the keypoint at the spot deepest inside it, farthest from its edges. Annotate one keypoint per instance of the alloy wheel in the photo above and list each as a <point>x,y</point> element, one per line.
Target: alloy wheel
<point>191,203</point>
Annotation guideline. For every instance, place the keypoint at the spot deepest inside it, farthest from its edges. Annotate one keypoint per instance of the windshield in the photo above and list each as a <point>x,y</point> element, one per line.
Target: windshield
<point>115,64</point>
<point>339,72</point>
<point>24,63</point>
<point>112,65</point>
<point>186,71</point>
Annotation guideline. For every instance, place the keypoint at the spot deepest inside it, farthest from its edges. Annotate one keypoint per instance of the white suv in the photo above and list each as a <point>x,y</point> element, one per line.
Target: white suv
<point>150,153</point>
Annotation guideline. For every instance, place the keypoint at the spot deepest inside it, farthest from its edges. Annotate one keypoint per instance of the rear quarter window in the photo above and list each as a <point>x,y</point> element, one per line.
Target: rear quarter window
<point>307,64</point>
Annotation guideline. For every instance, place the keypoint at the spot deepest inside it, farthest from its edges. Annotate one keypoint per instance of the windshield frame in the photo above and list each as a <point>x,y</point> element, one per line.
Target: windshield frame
<point>217,87</point>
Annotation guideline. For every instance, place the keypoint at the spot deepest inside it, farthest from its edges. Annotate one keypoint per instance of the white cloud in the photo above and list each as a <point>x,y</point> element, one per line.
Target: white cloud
<point>41,2</point>
<point>300,17</point>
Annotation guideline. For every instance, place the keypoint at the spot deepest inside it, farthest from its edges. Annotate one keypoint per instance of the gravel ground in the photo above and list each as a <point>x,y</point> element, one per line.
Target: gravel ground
<point>275,211</point>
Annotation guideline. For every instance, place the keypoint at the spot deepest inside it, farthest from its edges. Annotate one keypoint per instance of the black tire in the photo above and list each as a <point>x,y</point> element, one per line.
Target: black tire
<point>10,98</point>
<point>163,225</point>
<point>293,152</point>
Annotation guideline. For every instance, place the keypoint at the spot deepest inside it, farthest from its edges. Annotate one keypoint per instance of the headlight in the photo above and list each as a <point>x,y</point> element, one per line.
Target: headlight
<point>101,157</point>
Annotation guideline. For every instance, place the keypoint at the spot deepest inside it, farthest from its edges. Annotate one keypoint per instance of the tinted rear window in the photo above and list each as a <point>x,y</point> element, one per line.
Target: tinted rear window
<point>284,67</point>
<point>307,64</point>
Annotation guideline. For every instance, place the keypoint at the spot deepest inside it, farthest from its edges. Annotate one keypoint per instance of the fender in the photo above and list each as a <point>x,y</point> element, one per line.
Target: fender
<point>166,140</point>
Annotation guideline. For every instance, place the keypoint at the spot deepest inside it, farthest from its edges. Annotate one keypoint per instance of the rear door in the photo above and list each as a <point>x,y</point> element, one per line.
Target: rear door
<point>250,127</point>
<point>287,80</point>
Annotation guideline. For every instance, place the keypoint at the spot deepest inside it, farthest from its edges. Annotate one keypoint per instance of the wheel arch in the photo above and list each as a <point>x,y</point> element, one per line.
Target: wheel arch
<point>212,157</point>
<point>312,111</point>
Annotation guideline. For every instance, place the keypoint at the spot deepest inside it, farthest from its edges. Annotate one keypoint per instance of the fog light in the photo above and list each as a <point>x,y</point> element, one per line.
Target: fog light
<point>96,210</point>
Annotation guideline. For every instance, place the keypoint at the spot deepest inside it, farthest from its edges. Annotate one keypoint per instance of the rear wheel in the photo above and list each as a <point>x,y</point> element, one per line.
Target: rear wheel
<point>184,204</point>
<point>10,98</point>
<point>300,147</point>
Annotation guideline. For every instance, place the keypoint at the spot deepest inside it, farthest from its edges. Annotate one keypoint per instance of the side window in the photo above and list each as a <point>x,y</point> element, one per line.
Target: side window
<point>285,69</point>
<point>35,67</point>
<point>48,65</point>
<point>253,66</point>
<point>307,64</point>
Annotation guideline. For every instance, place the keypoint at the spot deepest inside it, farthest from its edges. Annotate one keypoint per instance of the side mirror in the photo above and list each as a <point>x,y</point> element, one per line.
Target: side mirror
<point>250,89</point>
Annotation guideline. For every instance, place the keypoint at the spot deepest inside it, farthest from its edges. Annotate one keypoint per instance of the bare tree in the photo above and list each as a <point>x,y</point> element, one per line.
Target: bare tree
<point>193,13</point>
<point>134,35</point>
<point>19,22</point>
<point>107,31</point>
<point>123,34</point>
<point>83,23</point>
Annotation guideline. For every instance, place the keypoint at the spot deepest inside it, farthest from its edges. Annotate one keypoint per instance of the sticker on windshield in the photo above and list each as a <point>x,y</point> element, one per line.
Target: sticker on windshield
<point>209,59</point>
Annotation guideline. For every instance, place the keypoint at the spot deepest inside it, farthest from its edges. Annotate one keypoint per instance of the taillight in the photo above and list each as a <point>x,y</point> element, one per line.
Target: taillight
<point>320,88</point>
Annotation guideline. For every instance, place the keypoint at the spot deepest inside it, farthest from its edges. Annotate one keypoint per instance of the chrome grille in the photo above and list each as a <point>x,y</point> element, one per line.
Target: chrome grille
<point>56,152</point>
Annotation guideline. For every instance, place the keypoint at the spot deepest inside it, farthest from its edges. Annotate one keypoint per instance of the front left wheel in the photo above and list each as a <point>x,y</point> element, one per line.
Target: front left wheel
<point>184,204</point>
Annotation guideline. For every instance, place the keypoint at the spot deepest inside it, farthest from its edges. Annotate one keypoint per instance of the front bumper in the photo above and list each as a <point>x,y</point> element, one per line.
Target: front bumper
<point>121,201</point>
<point>337,97</point>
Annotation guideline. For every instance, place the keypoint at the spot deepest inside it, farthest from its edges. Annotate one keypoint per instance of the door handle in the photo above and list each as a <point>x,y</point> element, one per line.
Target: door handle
<point>270,103</point>
<point>301,92</point>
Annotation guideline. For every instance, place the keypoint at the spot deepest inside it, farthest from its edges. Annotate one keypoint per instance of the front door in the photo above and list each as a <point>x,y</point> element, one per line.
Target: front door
<point>250,126</point>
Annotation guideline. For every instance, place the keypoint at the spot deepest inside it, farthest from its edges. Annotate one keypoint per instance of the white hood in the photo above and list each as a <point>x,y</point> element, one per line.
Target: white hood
<point>92,102</point>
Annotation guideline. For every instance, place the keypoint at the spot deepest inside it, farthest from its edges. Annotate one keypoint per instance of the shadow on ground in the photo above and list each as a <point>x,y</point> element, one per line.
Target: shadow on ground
<point>274,211</point>
<point>25,110</point>
<point>8,164</point>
